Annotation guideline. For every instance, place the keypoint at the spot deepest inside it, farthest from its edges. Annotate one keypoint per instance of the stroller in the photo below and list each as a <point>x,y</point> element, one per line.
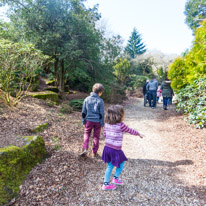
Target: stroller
<point>146,99</point>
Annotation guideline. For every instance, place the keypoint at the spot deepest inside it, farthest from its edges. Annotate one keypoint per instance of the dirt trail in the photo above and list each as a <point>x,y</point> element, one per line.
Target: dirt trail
<point>167,167</point>
<point>158,171</point>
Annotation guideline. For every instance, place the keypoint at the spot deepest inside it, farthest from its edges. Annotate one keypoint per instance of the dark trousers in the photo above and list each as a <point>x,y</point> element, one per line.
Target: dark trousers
<point>96,134</point>
<point>152,98</point>
<point>169,101</point>
<point>165,101</point>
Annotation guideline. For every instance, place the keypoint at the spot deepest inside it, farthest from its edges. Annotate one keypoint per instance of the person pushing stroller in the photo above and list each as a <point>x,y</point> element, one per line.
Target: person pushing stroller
<point>152,87</point>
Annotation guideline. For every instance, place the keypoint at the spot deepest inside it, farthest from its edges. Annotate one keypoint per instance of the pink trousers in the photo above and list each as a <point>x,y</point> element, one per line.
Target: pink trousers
<point>96,134</point>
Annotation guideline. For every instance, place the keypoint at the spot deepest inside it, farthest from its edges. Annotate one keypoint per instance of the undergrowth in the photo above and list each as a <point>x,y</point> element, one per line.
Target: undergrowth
<point>191,100</point>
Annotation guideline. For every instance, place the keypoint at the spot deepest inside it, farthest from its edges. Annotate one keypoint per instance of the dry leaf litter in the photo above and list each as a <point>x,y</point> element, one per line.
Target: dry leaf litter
<point>167,167</point>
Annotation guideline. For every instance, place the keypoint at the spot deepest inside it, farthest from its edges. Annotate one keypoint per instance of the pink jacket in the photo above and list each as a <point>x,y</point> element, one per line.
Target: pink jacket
<point>159,93</point>
<point>114,134</point>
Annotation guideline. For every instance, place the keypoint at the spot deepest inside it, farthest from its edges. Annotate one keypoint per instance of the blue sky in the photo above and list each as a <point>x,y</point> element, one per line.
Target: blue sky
<point>160,22</point>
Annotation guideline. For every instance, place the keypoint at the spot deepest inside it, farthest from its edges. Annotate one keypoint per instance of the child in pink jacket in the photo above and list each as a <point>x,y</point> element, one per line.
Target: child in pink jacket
<point>159,93</point>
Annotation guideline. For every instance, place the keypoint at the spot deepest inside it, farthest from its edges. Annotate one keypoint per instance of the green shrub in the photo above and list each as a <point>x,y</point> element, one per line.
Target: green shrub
<point>114,94</point>
<point>192,101</point>
<point>122,69</point>
<point>137,81</point>
<point>18,64</point>
<point>66,109</point>
<point>35,84</point>
<point>40,128</point>
<point>50,103</point>
<point>56,143</point>
<point>185,70</point>
<point>76,104</point>
<point>188,75</point>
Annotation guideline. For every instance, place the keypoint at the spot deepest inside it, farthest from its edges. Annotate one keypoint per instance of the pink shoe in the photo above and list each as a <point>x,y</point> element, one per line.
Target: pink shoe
<point>117,181</point>
<point>109,187</point>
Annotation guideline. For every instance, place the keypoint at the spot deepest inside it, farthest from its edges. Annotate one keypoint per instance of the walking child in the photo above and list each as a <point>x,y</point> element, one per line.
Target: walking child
<point>159,93</point>
<point>93,118</point>
<point>112,153</point>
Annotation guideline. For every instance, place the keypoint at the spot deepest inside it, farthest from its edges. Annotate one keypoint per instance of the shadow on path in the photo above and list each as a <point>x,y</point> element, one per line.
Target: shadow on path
<point>158,181</point>
<point>163,163</point>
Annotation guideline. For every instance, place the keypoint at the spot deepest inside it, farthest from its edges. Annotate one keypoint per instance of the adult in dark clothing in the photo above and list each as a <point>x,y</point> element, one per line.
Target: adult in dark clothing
<point>152,87</point>
<point>145,93</point>
<point>144,89</point>
<point>167,92</point>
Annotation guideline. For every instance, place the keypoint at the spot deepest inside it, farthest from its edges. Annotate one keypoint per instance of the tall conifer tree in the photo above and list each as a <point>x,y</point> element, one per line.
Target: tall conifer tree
<point>195,11</point>
<point>135,45</point>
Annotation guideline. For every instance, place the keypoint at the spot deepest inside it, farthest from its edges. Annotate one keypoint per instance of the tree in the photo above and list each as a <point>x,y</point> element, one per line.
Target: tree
<point>135,45</point>
<point>142,65</point>
<point>161,73</point>
<point>195,11</point>
<point>64,30</point>
<point>141,70</point>
<point>111,49</point>
<point>121,70</point>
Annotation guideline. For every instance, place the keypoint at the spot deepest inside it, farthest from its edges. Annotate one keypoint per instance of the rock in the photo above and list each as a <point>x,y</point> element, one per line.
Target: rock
<point>16,163</point>
<point>45,95</point>
<point>50,82</point>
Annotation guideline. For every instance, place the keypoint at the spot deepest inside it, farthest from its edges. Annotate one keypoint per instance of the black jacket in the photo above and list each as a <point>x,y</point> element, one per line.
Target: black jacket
<point>144,89</point>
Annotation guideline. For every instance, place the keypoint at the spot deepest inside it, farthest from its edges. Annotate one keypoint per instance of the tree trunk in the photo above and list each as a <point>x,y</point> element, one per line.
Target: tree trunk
<point>56,71</point>
<point>61,78</point>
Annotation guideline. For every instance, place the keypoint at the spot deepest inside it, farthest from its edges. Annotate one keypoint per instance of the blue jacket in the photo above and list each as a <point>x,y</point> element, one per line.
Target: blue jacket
<point>93,109</point>
<point>152,85</point>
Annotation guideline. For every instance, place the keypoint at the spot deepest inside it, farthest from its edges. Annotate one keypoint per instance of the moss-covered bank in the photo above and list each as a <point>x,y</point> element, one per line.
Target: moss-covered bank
<point>16,163</point>
<point>45,95</point>
<point>40,128</point>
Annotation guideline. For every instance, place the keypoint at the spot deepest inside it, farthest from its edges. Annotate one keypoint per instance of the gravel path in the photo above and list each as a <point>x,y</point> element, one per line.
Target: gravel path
<point>167,167</point>
<point>155,174</point>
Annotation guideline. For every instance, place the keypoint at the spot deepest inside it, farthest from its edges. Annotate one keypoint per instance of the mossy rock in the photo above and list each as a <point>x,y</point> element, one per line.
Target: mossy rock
<point>53,89</point>
<point>16,163</point>
<point>46,95</point>
<point>40,128</point>
<point>50,82</point>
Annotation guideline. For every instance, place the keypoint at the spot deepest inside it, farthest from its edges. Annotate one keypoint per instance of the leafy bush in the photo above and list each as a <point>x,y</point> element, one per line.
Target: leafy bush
<point>50,103</point>
<point>66,109</point>
<point>137,81</point>
<point>185,70</point>
<point>76,104</point>
<point>78,79</point>
<point>188,75</point>
<point>122,69</point>
<point>192,100</point>
<point>18,64</point>
<point>114,93</point>
<point>56,143</point>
